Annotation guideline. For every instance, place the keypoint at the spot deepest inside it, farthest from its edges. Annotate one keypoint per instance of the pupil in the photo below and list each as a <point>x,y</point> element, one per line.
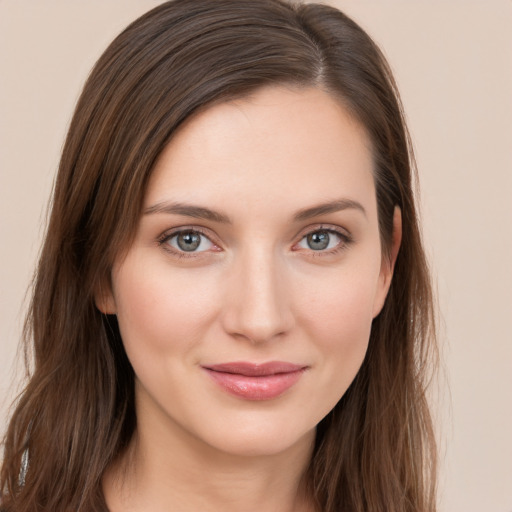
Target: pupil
<point>318,240</point>
<point>189,241</point>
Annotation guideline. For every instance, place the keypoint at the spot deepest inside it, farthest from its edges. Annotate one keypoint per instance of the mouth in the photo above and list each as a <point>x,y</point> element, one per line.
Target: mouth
<point>255,381</point>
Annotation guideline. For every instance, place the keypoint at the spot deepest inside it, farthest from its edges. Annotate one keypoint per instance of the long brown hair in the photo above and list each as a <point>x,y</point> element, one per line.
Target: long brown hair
<point>375,450</point>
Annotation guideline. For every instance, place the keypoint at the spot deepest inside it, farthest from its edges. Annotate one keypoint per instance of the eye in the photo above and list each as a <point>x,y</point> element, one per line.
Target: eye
<point>321,240</point>
<point>189,241</point>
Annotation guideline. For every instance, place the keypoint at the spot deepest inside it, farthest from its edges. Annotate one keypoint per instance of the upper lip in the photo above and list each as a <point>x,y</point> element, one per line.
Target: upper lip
<point>255,370</point>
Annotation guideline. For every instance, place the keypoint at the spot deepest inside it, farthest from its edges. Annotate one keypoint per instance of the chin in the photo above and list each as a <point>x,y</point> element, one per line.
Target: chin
<point>253,437</point>
<point>262,444</point>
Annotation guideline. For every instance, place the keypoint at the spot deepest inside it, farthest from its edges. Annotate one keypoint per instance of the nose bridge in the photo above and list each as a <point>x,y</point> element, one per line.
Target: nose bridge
<point>258,303</point>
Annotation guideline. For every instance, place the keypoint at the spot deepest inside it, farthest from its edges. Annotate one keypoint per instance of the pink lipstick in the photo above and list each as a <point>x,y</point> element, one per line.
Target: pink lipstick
<point>255,381</point>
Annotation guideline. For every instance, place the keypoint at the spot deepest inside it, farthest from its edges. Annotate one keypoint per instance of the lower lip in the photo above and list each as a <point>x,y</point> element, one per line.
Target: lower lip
<point>264,387</point>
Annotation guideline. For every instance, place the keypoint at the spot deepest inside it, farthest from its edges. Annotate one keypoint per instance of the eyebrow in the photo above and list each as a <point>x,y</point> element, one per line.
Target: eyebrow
<point>200,212</point>
<point>188,210</point>
<point>330,207</point>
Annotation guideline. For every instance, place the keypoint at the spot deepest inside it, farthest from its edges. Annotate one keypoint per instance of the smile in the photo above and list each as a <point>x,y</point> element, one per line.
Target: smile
<point>255,381</point>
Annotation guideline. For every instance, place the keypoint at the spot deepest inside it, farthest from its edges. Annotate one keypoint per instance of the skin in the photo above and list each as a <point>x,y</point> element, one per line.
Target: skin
<point>254,290</point>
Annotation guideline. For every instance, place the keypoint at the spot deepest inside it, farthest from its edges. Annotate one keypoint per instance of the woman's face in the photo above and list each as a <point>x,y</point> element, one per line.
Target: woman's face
<point>246,300</point>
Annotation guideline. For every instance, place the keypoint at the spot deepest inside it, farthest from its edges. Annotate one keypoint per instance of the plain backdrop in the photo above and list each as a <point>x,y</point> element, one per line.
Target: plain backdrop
<point>453,64</point>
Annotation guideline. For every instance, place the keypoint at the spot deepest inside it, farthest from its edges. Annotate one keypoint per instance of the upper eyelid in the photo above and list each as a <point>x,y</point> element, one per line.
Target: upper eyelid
<point>304,231</point>
<point>169,233</point>
<point>344,238</point>
<point>324,227</point>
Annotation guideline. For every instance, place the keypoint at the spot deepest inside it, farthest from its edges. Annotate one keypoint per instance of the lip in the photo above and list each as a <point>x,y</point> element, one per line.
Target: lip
<point>255,381</point>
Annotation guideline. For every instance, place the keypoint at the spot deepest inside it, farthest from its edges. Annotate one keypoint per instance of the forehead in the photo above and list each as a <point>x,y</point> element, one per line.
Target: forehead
<point>291,145</point>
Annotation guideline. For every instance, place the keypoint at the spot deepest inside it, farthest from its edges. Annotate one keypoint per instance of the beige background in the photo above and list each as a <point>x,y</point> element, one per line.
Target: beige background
<point>453,62</point>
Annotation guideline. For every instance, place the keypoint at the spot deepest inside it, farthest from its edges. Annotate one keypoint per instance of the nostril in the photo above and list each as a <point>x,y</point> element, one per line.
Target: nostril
<point>258,324</point>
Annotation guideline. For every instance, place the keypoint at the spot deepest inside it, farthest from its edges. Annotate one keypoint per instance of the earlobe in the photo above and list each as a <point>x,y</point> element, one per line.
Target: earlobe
<point>388,262</point>
<point>104,299</point>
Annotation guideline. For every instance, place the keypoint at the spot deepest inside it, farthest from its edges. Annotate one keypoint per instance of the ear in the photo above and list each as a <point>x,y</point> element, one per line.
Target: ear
<point>104,298</point>
<point>388,263</point>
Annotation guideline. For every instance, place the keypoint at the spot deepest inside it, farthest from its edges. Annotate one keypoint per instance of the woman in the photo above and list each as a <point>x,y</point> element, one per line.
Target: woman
<point>232,309</point>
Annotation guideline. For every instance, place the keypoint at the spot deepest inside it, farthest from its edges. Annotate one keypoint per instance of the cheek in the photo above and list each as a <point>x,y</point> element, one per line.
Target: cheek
<point>341,305</point>
<point>339,318</point>
<point>159,308</point>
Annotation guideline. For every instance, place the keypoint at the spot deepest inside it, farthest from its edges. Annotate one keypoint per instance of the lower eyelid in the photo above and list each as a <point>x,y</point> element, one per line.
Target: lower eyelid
<point>345,240</point>
<point>164,241</point>
<point>197,250</point>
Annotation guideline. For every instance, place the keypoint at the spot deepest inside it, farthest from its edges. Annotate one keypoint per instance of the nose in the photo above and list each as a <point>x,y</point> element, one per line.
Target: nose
<point>257,305</point>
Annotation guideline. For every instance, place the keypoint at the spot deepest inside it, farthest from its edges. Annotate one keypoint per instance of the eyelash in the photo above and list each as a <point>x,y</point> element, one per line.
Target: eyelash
<point>346,241</point>
<point>168,235</point>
